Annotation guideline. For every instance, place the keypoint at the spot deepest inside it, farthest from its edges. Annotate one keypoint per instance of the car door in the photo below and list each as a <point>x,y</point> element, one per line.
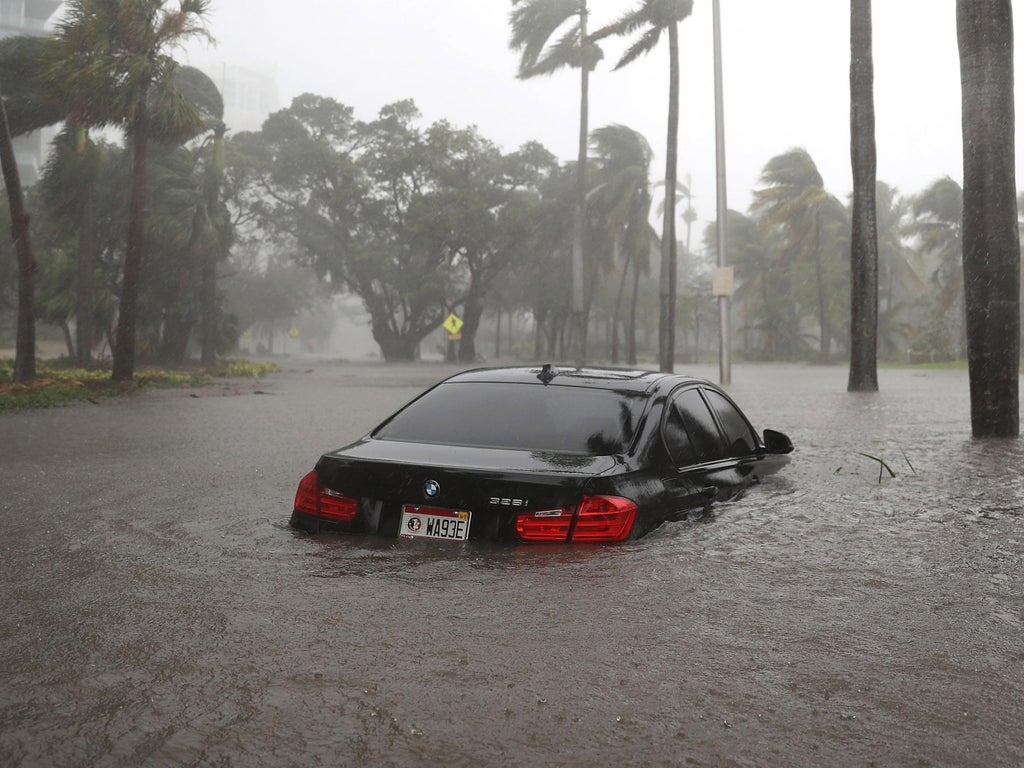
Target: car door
<point>706,455</point>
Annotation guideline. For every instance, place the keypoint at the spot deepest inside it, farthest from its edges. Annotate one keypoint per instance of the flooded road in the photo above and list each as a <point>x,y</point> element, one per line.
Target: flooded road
<point>156,609</point>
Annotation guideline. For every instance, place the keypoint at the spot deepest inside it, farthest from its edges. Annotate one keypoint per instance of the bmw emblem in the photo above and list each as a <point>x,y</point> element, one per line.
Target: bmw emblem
<point>431,488</point>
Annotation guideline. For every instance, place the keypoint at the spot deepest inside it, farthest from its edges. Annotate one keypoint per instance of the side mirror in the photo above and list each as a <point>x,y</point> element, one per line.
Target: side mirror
<point>777,442</point>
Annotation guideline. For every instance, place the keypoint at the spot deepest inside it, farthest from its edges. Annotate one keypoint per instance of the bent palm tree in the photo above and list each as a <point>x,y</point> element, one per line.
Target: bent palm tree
<point>937,225</point>
<point>534,24</point>
<point>651,18</point>
<point>796,205</point>
<point>623,198</point>
<point>112,56</point>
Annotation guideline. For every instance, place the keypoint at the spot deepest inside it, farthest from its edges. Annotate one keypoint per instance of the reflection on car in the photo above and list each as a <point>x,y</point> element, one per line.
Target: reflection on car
<point>541,454</point>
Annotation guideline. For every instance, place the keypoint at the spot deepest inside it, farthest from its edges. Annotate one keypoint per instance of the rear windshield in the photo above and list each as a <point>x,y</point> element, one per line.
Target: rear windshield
<point>529,417</point>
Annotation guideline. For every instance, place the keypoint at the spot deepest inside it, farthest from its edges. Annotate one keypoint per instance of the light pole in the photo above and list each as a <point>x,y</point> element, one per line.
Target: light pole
<point>722,286</point>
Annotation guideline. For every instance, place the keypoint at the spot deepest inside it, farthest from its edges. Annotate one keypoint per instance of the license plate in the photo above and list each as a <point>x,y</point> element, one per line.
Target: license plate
<point>433,523</point>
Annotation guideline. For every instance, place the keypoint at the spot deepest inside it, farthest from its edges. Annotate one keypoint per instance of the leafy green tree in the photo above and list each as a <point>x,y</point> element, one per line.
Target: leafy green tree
<point>114,69</point>
<point>269,290</point>
<point>416,222</point>
<point>351,195</point>
<point>864,235</point>
<point>535,23</point>
<point>650,19</point>
<point>548,265</point>
<point>490,206</point>
<point>991,253</point>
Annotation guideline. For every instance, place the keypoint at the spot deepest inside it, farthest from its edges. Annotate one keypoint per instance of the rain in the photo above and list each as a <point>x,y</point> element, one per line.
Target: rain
<point>369,200</point>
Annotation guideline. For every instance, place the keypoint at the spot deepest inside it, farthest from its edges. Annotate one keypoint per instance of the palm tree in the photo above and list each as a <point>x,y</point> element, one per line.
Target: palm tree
<point>211,234</point>
<point>23,110</point>
<point>623,199</point>
<point>68,186</point>
<point>112,62</point>
<point>763,286</point>
<point>534,24</point>
<point>650,19</point>
<point>32,107</point>
<point>25,343</point>
<point>899,283</point>
<point>864,230</point>
<point>794,203</point>
<point>937,227</point>
<point>991,253</point>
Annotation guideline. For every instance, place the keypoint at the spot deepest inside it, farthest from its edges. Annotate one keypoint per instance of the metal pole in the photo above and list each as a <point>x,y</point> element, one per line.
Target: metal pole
<point>724,363</point>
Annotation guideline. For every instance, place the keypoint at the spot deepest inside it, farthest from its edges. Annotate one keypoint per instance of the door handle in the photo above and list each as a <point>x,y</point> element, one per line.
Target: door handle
<point>709,491</point>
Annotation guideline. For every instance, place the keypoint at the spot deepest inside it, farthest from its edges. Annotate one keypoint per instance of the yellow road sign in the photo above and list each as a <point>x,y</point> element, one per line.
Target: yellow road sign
<point>453,323</point>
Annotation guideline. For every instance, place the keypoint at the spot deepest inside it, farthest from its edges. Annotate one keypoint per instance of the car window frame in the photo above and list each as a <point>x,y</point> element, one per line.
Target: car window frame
<point>673,396</point>
<point>758,445</point>
<point>725,458</point>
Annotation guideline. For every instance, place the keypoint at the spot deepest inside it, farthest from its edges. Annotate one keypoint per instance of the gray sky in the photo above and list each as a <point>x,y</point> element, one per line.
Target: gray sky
<point>786,74</point>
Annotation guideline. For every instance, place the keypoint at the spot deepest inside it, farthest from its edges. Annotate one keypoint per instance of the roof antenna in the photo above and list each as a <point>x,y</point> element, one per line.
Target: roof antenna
<point>547,373</point>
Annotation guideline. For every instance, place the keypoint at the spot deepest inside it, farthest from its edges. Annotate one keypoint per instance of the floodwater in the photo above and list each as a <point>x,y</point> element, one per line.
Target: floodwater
<point>156,609</point>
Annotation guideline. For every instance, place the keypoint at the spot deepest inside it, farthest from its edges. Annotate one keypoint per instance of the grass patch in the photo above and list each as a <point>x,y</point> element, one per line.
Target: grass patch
<point>946,365</point>
<point>59,383</point>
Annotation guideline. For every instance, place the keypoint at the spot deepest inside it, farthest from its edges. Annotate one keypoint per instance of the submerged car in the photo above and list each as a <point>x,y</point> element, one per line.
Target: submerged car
<point>541,455</point>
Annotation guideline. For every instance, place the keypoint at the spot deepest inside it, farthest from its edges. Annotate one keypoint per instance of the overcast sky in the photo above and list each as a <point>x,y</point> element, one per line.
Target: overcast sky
<point>785,62</point>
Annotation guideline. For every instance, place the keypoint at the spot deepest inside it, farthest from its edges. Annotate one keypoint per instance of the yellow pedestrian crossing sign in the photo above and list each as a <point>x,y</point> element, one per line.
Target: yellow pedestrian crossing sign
<point>453,324</point>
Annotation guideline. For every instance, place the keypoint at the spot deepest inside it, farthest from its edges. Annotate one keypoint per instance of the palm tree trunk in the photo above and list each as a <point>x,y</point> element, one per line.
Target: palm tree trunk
<point>579,215</point>
<point>631,328</point>
<point>212,254</point>
<point>128,309</point>
<point>991,241</point>
<point>84,332</point>
<point>25,344</point>
<point>864,235</point>
<point>864,229</point>
<point>825,343</point>
<point>667,308</point>
<point>618,304</point>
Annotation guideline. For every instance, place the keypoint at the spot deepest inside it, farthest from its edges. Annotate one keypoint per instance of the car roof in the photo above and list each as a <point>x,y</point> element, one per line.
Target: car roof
<point>572,376</point>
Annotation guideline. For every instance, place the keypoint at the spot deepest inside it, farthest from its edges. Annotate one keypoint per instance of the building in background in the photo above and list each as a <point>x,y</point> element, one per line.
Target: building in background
<point>29,17</point>
<point>250,95</point>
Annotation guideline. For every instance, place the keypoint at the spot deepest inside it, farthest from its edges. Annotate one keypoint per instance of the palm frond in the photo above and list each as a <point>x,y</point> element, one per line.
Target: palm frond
<point>534,23</point>
<point>647,42</point>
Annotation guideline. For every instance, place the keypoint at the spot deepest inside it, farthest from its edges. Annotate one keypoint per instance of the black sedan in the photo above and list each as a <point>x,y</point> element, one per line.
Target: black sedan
<point>541,454</point>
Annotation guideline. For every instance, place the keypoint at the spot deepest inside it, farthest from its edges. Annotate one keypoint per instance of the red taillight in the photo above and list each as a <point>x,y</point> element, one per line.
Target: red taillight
<point>598,518</point>
<point>549,525</point>
<point>313,500</point>
<point>604,518</point>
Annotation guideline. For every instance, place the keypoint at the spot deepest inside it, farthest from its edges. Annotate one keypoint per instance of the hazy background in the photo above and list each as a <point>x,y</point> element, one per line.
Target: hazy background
<point>786,69</point>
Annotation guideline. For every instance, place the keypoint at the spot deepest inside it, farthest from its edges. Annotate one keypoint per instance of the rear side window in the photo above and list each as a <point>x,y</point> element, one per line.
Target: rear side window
<point>705,441</point>
<point>530,417</point>
<point>739,436</point>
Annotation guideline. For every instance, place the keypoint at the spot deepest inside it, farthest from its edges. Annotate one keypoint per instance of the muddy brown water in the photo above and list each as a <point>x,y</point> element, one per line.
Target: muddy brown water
<point>156,610</point>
